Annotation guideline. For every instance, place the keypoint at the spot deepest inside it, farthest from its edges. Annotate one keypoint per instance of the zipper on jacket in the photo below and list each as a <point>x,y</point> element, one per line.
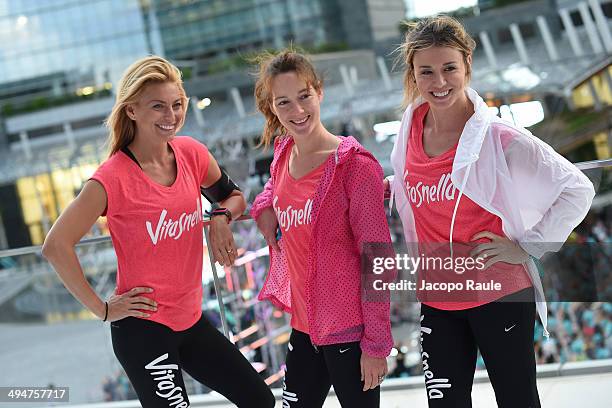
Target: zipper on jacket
<point>314,346</point>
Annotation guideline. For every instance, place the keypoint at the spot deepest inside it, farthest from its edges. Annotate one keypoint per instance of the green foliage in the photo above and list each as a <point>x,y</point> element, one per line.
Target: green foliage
<point>187,73</point>
<point>41,103</point>
<point>573,121</point>
<point>240,60</point>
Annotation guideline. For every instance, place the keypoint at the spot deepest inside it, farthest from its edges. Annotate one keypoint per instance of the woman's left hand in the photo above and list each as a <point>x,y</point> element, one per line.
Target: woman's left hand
<point>222,241</point>
<point>373,371</point>
<point>499,249</point>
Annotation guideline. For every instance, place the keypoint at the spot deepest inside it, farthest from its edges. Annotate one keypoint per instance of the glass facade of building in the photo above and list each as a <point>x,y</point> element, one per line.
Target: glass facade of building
<point>92,40</point>
<point>50,49</point>
<point>209,28</point>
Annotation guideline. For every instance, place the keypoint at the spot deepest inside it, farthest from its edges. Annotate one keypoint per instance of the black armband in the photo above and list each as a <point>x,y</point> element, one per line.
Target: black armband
<point>220,190</point>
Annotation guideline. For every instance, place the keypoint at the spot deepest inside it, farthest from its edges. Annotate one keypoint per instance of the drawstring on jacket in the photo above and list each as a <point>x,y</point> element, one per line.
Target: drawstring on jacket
<point>539,291</point>
<point>452,226</point>
<point>391,180</point>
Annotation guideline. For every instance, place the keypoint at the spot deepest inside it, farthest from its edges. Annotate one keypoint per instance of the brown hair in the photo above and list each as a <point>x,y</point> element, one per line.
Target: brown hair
<point>438,31</point>
<point>271,65</point>
<point>135,78</point>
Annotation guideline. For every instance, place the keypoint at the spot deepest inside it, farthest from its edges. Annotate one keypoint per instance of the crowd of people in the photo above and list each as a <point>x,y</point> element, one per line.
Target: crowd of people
<point>582,330</point>
<point>117,388</point>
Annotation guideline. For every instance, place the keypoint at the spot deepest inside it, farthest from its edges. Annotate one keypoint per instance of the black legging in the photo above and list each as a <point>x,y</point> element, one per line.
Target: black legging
<point>502,330</point>
<point>311,371</point>
<point>153,355</point>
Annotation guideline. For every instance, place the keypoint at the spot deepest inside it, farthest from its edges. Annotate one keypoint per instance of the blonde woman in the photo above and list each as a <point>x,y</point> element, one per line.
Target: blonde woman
<point>149,190</point>
<point>463,176</point>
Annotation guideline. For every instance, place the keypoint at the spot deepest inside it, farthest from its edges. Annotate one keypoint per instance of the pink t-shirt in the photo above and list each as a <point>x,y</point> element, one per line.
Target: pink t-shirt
<point>292,204</point>
<point>433,197</point>
<point>157,231</point>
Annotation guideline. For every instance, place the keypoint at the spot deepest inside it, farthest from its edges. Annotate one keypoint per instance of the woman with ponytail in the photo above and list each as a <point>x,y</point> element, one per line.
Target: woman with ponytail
<point>325,194</point>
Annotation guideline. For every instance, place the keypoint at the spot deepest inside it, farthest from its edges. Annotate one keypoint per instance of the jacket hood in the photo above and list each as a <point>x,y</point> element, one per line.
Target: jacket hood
<point>347,148</point>
<point>474,132</point>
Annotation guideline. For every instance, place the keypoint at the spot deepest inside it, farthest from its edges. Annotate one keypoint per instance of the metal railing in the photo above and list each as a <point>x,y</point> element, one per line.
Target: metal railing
<point>36,249</point>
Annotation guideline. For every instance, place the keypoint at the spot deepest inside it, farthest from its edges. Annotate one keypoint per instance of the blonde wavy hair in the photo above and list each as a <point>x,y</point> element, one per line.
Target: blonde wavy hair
<point>152,69</point>
<point>438,31</point>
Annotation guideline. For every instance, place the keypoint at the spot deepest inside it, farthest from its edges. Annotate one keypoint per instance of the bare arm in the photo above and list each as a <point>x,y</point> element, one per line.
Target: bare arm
<point>59,244</point>
<point>235,202</point>
<point>59,250</point>
<point>221,237</point>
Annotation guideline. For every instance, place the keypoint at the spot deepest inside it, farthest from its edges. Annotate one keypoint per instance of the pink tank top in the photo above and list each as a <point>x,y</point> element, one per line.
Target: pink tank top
<point>432,196</point>
<point>292,204</point>
<point>157,231</point>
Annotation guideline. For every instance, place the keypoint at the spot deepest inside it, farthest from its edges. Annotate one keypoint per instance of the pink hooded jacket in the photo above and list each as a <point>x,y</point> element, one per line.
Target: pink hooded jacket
<point>347,215</point>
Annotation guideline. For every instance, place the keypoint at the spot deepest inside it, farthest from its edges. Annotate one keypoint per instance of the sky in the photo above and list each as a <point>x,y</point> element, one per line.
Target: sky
<point>421,8</point>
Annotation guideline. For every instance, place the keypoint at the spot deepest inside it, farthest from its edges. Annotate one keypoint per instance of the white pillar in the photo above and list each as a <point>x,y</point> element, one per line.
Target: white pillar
<point>547,37</point>
<point>353,74</point>
<point>69,136</point>
<point>585,14</point>
<point>518,43</point>
<point>346,80</point>
<point>608,79</point>
<point>569,98</point>
<point>602,24</point>
<point>197,113</point>
<point>594,95</point>
<point>488,48</point>
<point>384,72</point>
<point>571,32</point>
<point>238,102</point>
<point>25,144</point>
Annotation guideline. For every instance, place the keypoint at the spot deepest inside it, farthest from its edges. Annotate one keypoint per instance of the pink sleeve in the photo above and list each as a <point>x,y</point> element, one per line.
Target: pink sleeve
<point>364,186</point>
<point>263,199</point>
<point>103,178</point>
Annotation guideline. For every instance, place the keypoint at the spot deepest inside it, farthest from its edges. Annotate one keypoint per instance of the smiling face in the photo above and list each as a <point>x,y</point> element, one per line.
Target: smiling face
<point>296,104</point>
<point>159,111</point>
<point>440,74</point>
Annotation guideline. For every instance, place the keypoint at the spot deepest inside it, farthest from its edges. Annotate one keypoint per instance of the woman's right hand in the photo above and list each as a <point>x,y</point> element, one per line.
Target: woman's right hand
<point>131,304</point>
<point>267,224</point>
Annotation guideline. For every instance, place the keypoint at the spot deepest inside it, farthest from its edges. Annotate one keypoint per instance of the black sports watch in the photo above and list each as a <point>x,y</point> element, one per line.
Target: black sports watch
<point>221,211</point>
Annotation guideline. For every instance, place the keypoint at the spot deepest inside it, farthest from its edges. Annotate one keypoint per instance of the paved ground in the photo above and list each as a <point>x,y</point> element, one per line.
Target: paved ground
<point>593,391</point>
<point>73,354</point>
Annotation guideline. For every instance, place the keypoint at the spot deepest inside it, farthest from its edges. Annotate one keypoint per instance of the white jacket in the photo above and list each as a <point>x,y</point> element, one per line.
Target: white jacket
<point>539,195</point>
